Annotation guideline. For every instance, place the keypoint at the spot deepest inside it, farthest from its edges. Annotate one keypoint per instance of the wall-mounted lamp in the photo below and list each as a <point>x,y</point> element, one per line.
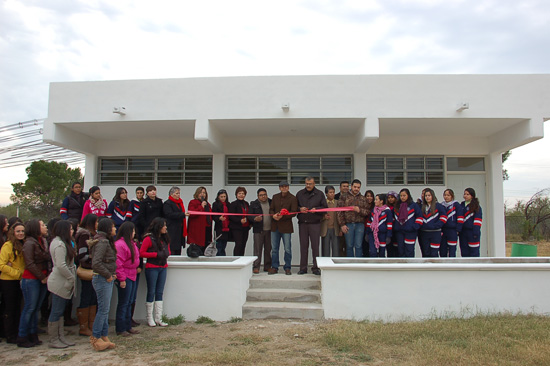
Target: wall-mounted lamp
<point>462,106</point>
<point>120,110</point>
<point>285,107</point>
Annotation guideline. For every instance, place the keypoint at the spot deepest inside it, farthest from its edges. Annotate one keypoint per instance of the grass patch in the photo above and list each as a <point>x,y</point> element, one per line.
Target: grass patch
<point>235,319</point>
<point>151,345</point>
<point>480,340</point>
<point>204,320</point>
<point>177,320</point>
<point>250,339</point>
<point>60,358</point>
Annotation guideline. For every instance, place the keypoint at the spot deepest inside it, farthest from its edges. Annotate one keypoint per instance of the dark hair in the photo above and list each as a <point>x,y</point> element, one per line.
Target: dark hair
<point>106,227</point>
<point>451,192</point>
<point>328,188</point>
<point>474,204</point>
<point>122,203</point>
<point>356,181</point>
<point>150,188</point>
<point>88,222</point>
<point>425,203</point>
<point>343,182</point>
<point>50,226</point>
<point>240,189</point>
<point>12,220</point>
<point>17,244</point>
<point>140,189</point>
<point>74,224</point>
<point>93,189</point>
<point>62,229</point>
<point>261,190</point>
<point>32,229</point>
<point>382,197</point>
<point>409,199</point>
<point>75,183</point>
<point>154,230</point>
<point>220,192</point>
<point>3,225</point>
<point>370,205</point>
<point>126,232</point>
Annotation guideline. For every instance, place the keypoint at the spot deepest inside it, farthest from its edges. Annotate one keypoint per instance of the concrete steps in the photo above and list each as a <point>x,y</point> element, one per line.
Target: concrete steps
<point>284,297</point>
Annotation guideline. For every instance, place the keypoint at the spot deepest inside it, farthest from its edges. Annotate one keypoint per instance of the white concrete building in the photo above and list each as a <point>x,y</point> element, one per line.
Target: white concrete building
<point>389,131</point>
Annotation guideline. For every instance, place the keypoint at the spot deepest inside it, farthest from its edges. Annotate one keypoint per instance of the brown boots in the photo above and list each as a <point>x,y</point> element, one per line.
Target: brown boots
<point>83,315</point>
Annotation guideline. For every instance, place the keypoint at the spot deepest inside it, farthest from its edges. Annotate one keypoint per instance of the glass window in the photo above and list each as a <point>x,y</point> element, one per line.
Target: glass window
<point>476,164</point>
<point>141,164</point>
<point>141,178</point>
<point>264,170</point>
<point>171,163</point>
<point>398,170</point>
<point>190,170</point>
<point>112,178</point>
<point>375,178</point>
<point>113,164</point>
<point>394,163</point>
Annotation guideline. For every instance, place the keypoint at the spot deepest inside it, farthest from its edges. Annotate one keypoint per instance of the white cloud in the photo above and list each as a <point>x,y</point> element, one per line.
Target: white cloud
<point>62,40</point>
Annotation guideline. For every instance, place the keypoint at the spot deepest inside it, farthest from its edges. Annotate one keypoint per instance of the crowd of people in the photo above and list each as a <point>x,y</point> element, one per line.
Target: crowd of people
<point>108,245</point>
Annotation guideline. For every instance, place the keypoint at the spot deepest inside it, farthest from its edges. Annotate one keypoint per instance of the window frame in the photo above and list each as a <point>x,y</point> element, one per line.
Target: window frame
<point>208,170</point>
<point>406,172</point>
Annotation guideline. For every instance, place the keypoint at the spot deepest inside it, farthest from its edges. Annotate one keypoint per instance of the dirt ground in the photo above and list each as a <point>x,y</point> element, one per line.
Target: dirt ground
<point>249,342</point>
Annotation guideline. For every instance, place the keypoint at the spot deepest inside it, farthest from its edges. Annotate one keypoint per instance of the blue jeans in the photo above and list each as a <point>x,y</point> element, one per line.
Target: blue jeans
<point>58,308</point>
<point>275,243</point>
<point>124,306</point>
<point>156,278</point>
<point>34,292</point>
<point>133,296</point>
<point>221,245</point>
<point>104,292</point>
<point>354,239</point>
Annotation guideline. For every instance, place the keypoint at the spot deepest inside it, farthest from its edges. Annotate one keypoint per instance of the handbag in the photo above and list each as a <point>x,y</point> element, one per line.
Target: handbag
<point>84,274</point>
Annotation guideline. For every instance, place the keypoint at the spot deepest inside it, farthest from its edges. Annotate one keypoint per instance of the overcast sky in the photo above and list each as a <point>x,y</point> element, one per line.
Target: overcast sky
<point>72,40</point>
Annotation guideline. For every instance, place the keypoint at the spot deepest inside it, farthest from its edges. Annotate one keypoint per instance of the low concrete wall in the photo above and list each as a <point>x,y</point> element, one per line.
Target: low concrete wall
<point>416,289</point>
<point>214,287</point>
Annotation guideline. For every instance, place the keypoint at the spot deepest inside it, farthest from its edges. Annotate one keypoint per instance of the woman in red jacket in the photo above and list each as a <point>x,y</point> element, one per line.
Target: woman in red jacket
<point>199,230</point>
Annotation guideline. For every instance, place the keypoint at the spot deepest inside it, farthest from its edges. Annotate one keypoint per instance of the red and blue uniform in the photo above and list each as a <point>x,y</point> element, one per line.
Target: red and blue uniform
<point>385,227</point>
<point>430,233</point>
<point>471,232</point>
<point>449,231</point>
<point>118,214</point>
<point>405,233</point>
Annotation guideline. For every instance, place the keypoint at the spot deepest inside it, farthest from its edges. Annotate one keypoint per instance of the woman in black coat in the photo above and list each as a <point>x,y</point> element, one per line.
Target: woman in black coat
<point>150,208</point>
<point>239,225</point>
<point>221,228</point>
<point>174,213</point>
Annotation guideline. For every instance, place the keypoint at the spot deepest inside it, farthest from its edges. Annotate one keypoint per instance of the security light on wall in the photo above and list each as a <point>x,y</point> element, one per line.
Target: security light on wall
<point>285,107</point>
<point>120,110</point>
<point>462,106</point>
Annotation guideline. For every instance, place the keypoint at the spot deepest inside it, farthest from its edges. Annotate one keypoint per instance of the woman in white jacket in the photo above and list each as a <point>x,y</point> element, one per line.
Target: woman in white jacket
<point>61,281</point>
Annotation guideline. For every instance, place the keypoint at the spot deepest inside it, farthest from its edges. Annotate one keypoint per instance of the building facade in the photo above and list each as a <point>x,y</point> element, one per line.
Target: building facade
<point>389,131</point>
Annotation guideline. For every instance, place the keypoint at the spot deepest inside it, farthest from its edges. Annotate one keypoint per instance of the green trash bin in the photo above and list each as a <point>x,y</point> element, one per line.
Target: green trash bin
<point>524,250</point>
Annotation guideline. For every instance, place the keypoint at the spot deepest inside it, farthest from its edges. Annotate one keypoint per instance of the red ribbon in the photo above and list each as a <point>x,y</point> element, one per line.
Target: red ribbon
<point>283,212</point>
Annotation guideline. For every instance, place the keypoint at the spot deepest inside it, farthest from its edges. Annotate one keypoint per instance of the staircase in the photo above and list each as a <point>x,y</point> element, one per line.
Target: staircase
<point>283,297</point>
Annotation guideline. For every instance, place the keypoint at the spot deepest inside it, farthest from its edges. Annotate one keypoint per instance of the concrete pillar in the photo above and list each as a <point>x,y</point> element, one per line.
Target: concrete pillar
<point>90,172</point>
<point>493,217</point>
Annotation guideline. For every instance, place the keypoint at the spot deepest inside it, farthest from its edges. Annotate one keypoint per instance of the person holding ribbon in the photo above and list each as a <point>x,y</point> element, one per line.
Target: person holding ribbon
<point>239,225</point>
<point>199,228</point>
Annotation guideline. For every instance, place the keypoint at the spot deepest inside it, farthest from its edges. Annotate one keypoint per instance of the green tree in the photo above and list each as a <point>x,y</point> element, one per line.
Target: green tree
<point>47,184</point>
<point>11,210</point>
<point>505,156</point>
<point>535,214</point>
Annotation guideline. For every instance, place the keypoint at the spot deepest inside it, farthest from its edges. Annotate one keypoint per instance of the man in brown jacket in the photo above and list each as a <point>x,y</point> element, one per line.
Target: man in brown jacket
<point>281,227</point>
<point>352,223</point>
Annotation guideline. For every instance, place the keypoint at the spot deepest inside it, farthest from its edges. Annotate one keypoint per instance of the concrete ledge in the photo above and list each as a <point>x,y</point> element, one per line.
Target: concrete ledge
<point>390,289</point>
<point>214,287</point>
